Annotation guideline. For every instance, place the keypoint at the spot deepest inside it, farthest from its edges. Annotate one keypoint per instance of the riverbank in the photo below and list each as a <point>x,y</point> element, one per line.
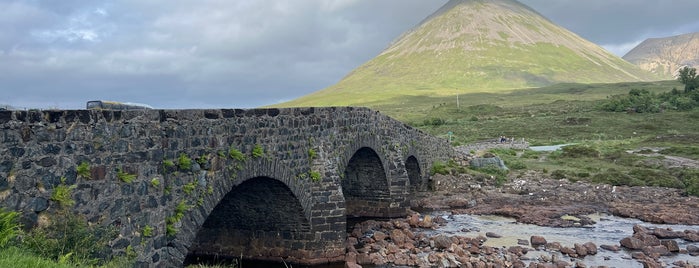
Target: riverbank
<point>424,240</point>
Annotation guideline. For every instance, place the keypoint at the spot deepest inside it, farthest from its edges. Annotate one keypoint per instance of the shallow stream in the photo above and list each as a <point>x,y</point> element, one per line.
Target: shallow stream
<point>608,230</point>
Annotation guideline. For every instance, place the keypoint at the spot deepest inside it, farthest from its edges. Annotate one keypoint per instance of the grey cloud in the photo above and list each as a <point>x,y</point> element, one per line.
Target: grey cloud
<point>216,53</point>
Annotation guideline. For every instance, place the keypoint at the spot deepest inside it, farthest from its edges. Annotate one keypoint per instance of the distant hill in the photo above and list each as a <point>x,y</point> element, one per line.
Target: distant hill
<point>664,56</point>
<point>476,46</point>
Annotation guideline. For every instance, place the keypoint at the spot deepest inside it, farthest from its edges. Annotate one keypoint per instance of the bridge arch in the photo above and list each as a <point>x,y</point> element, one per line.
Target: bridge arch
<point>365,184</point>
<point>265,215</point>
<point>412,167</point>
<point>260,217</point>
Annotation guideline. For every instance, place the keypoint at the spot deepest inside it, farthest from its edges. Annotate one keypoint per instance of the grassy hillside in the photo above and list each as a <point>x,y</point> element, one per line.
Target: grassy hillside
<point>476,46</point>
<point>545,115</point>
<point>570,113</point>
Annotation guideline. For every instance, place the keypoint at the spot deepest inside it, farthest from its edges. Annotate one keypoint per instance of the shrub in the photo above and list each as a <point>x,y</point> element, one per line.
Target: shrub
<point>189,188</point>
<point>125,176</point>
<point>147,231</point>
<point>9,228</point>
<point>62,194</point>
<point>180,209</point>
<point>168,163</point>
<point>258,151</point>
<point>439,168</point>
<point>500,175</point>
<point>235,154</point>
<point>184,162</point>
<point>315,175</point>
<point>83,170</point>
<point>69,238</point>
<point>515,164</point>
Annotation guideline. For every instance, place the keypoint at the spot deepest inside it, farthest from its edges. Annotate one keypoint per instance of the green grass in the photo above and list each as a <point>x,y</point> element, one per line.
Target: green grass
<point>566,113</point>
<point>83,170</point>
<point>125,176</point>
<point>19,258</point>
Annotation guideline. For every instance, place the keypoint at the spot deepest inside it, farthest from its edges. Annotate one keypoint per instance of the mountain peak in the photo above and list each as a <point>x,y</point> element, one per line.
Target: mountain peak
<point>665,56</point>
<point>477,46</point>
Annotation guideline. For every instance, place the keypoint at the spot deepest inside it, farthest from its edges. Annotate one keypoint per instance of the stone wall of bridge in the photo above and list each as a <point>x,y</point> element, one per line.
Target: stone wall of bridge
<point>265,183</point>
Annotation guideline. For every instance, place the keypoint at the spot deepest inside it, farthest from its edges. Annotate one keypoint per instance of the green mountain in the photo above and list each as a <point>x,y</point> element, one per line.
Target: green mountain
<point>476,46</point>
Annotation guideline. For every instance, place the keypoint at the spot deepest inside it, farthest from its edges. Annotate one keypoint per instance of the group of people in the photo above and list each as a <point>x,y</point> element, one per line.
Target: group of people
<point>504,139</point>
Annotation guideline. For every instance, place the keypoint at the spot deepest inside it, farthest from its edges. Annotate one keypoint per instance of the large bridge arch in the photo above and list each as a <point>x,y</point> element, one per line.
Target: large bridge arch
<point>260,218</point>
<point>264,214</point>
<point>371,185</point>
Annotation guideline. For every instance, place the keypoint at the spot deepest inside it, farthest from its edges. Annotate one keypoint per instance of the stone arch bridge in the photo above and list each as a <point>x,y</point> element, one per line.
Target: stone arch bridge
<point>270,184</point>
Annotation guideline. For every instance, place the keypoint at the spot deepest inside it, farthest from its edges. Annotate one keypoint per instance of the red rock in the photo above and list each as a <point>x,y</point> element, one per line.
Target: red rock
<point>553,246</point>
<point>632,243</point>
<point>414,220</point>
<point>377,259</point>
<point>398,237</point>
<point>638,229</point>
<point>517,250</point>
<point>671,245</point>
<point>666,233</point>
<point>442,242</point>
<point>648,239</point>
<point>656,251</point>
<point>379,236</point>
<point>580,250</point>
<point>537,241</point>
<point>401,259</point>
<point>691,236</point>
<point>569,251</point>
<point>591,248</point>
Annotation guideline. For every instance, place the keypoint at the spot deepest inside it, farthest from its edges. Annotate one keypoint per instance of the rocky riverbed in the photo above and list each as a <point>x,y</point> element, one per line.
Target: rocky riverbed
<point>532,199</point>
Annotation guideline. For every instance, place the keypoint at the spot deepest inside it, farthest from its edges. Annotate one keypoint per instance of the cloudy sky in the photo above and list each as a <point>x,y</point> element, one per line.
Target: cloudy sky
<point>246,53</point>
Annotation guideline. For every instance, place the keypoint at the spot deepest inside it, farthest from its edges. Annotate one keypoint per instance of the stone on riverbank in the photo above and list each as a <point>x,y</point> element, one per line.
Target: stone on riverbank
<point>537,241</point>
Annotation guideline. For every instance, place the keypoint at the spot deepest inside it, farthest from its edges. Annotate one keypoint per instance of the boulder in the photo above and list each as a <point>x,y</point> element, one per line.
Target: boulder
<point>580,250</point>
<point>442,242</point>
<point>489,161</point>
<point>379,236</point>
<point>631,242</point>
<point>493,235</point>
<point>693,250</point>
<point>656,251</point>
<point>537,241</point>
<point>591,248</point>
<point>398,237</point>
<point>648,239</point>
<point>666,233</point>
<point>671,245</point>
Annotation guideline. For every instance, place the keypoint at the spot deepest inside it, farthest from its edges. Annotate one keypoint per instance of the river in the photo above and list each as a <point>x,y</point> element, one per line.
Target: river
<point>608,230</point>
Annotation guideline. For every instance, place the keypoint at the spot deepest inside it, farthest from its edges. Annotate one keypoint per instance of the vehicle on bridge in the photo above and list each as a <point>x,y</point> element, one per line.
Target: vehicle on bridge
<point>114,105</point>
